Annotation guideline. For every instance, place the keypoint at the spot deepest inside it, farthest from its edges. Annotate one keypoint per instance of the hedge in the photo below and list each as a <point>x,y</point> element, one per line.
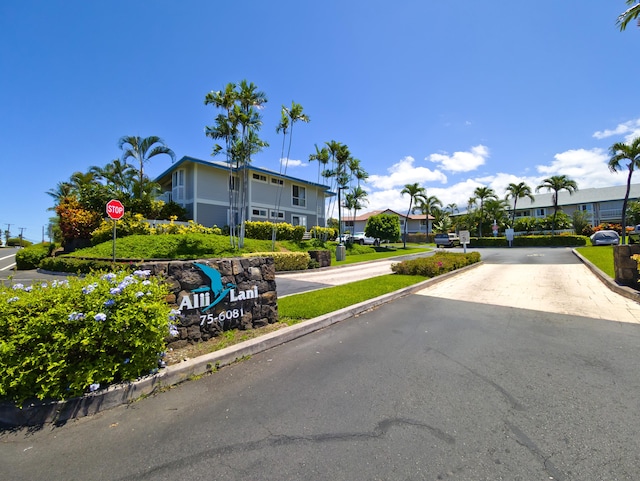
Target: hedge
<point>439,263</point>
<point>30,257</point>
<point>285,261</point>
<point>531,241</point>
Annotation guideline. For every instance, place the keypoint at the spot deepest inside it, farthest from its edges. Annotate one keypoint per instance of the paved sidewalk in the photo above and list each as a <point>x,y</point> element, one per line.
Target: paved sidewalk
<point>561,288</point>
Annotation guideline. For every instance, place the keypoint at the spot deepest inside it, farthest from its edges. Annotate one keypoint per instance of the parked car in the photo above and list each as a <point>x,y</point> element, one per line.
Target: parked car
<point>446,240</point>
<point>605,238</point>
<point>362,239</point>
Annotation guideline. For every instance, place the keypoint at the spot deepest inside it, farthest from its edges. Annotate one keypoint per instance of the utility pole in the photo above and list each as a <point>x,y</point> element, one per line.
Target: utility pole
<point>7,233</point>
<point>22,229</point>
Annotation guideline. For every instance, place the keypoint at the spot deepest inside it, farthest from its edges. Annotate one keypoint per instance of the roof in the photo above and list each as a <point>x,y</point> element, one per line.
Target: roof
<point>224,166</point>
<point>366,216</point>
<point>583,196</point>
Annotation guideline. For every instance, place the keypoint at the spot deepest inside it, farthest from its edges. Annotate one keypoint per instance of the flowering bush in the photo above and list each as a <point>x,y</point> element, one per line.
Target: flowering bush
<point>62,339</point>
<point>439,263</point>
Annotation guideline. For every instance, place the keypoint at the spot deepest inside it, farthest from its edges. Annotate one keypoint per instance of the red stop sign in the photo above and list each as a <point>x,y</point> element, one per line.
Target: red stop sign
<point>115,209</point>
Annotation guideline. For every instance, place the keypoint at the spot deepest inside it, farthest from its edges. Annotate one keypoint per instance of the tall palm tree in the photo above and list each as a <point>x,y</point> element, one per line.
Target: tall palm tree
<point>426,206</point>
<point>452,208</point>
<point>416,194</point>
<point>239,129</point>
<point>355,200</point>
<point>629,14</point>
<point>482,194</point>
<point>322,157</point>
<point>518,191</point>
<point>142,150</point>
<point>625,152</point>
<point>289,117</point>
<point>556,183</point>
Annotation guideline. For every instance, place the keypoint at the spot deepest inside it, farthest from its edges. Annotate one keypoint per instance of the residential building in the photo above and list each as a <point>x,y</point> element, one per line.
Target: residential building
<point>204,188</point>
<point>417,223</point>
<point>601,205</point>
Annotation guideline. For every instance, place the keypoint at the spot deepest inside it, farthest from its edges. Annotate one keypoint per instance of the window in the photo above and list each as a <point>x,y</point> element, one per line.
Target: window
<point>259,177</point>
<point>280,215</point>
<point>234,183</point>
<point>299,196</point>
<point>585,207</point>
<point>277,181</point>
<point>259,212</point>
<point>541,212</point>
<point>177,186</point>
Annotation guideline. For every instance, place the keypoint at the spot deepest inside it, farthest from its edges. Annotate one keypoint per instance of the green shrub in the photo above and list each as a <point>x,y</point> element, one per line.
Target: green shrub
<point>264,230</point>
<point>17,242</point>
<point>562,240</point>
<point>439,263</point>
<point>30,257</point>
<point>285,261</point>
<point>323,233</point>
<point>74,265</point>
<point>66,338</point>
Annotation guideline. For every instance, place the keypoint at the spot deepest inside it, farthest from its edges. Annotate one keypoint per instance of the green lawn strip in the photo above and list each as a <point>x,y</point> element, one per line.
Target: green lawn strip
<point>600,256</point>
<point>312,304</point>
<point>374,256</point>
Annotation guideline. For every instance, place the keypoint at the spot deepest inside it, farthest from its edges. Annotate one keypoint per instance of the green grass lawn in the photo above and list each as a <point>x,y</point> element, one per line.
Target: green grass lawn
<point>600,256</point>
<point>312,304</point>
<point>380,253</point>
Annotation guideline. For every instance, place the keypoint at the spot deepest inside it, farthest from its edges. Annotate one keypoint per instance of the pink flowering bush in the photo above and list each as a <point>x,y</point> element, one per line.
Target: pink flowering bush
<point>64,338</point>
<point>439,263</point>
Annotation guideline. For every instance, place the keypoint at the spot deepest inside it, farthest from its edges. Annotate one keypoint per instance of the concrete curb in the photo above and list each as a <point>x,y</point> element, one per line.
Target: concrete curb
<point>40,413</point>
<point>625,291</point>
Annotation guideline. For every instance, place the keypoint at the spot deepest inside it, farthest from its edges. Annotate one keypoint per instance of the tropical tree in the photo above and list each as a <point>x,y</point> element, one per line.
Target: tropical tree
<point>142,150</point>
<point>338,173</point>
<point>518,191</point>
<point>288,118</point>
<point>452,208</point>
<point>556,183</point>
<point>322,157</point>
<point>355,200</point>
<point>427,205</point>
<point>629,14</point>
<point>482,194</point>
<point>496,209</point>
<point>631,154</point>
<point>238,127</point>
<point>416,194</point>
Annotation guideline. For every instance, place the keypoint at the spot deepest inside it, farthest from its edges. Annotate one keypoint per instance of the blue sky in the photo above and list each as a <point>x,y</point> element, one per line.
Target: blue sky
<point>452,95</point>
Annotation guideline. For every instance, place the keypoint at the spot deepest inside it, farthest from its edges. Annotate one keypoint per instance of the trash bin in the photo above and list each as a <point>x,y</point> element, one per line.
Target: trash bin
<point>341,253</point>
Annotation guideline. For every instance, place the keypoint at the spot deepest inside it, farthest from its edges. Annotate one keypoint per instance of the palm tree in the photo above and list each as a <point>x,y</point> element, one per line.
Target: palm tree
<point>416,194</point>
<point>518,191</point>
<point>355,200</point>
<point>426,205</point>
<point>62,190</point>
<point>452,208</point>
<point>289,116</point>
<point>142,150</point>
<point>239,129</point>
<point>556,183</point>
<point>322,156</point>
<point>631,153</point>
<point>482,194</point>
<point>629,14</point>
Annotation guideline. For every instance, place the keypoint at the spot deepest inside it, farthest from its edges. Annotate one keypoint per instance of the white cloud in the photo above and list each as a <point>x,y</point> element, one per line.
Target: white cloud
<point>630,130</point>
<point>462,161</point>
<point>404,172</point>
<point>293,163</point>
<point>587,167</point>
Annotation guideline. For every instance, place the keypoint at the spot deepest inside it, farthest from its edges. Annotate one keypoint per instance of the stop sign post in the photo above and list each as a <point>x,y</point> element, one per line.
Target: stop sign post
<point>115,210</point>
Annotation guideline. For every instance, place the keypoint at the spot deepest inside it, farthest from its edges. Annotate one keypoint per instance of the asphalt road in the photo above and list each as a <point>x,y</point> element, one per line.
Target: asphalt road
<point>425,387</point>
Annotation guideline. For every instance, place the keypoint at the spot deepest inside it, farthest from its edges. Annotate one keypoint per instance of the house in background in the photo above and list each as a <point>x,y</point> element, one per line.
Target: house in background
<point>204,187</point>
<point>601,205</point>
<point>417,222</point>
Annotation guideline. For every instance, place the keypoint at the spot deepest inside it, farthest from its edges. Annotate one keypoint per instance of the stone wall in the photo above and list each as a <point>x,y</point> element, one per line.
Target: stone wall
<point>215,295</point>
<point>626,269</point>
